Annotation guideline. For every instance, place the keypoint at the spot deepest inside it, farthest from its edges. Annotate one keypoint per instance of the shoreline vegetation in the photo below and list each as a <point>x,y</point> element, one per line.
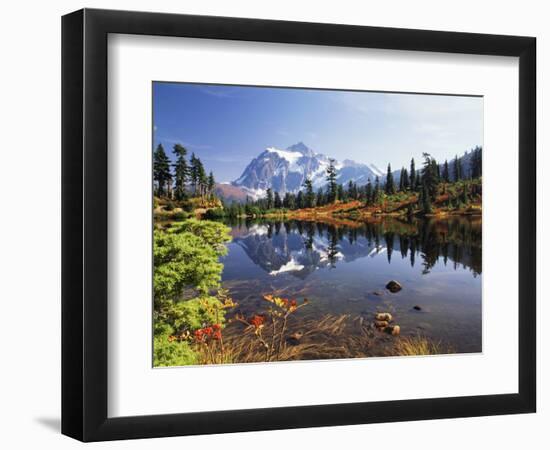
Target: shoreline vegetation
<point>195,319</point>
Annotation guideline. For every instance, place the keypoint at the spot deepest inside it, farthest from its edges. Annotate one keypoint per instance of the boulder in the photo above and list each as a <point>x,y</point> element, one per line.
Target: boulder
<point>417,308</point>
<point>394,330</point>
<point>380,323</point>
<point>393,286</point>
<point>384,316</point>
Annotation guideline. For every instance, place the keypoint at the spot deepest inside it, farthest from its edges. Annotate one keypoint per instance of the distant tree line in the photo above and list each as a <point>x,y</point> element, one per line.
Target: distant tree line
<point>181,179</point>
<point>424,182</point>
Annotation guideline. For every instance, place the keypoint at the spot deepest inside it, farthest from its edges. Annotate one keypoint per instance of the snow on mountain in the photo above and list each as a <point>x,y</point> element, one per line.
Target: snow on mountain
<point>286,170</point>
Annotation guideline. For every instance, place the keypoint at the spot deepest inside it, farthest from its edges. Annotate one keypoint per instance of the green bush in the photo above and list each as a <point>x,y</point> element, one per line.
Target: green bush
<point>187,315</point>
<point>173,353</point>
<point>185,256</point>
<point>214,214</point>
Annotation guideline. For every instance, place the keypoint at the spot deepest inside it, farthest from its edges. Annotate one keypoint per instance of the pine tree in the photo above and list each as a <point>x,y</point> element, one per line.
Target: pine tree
<point>412,175</point>
<point>476,160</point>
<point>406,181</point>
<point>211,184</point>
<point>429,177</point>
<point>390,186</point>
<point>278,203</point>
<point>368,194</point>
<point>458,168</point>
<point>401,180</point>
<point>309,194</point>
<point>202,178</point>
<point>161,171</point>
<point>180,172</point>
<point>194,173</point>
<point>332,185</point>
<point>341,193</point>
<point>446,177</point>
<point>352,190</point>
<point>376,192</point>
<point>320,200</point>
<point>269,198</point>
<point>300,200</point>
<point>425,200</point>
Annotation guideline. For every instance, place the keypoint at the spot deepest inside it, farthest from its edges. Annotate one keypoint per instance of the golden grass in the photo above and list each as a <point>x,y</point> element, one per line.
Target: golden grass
<point>324,339</point>
<point>332,337</point>
<point>419,345</point>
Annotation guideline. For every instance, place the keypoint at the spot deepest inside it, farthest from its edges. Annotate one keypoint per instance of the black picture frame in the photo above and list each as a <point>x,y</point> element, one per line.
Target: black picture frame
<point>84,224</point>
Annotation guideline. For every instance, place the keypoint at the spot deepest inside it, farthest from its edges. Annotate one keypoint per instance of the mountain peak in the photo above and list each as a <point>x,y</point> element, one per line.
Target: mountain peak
<point>301,148</point>
<point>284,171</point>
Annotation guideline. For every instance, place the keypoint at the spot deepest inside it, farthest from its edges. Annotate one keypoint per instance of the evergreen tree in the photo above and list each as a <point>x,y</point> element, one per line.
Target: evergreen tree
<point>332,185</point>
<point>320,200</point>
<point>446,177</point>
<point>406,181</point>
<point>211,184</point>
<point>340,193</point>
<point>180,172</point>
<point>277,201</point>
<point>476,160</point>
<point>390,186</point>
<point>300,200</point>
<point>352,190</point>
<point>429,177</point>
<point>269,199</point>
<point>401,180</point>
<point>202,178</point>
<point>161,171</point>
<point>412,175</point>
<point>309,194</point>
<point>458,168</point>
<point>376,192</point>
<point>369,194</point>
<point>194,173</point>
<point>291,201</point>
<point>426,202</point>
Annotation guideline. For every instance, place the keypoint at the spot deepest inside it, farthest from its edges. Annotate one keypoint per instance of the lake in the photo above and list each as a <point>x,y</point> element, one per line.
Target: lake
<point>343,266</point>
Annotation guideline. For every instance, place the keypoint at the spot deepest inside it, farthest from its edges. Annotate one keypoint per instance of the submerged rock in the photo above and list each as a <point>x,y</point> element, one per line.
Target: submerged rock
<point>393,286</point>
<point>377,293</point>
<point>384,316</point>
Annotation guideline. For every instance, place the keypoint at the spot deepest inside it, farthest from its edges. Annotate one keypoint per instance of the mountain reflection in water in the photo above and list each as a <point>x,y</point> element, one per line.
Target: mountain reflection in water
<point>344,266</point>
<point>300,248</point>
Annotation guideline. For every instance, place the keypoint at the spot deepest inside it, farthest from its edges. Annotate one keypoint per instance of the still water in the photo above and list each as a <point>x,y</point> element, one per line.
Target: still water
<point>343,267</point>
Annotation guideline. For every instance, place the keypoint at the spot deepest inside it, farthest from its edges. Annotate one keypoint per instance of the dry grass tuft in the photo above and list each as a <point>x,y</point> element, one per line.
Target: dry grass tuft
<point>419,345</point>
<point>324,339</point>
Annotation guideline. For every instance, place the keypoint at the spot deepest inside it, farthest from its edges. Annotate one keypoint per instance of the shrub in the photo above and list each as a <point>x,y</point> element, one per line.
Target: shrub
<point>214,214</point>
<point>172,353</point>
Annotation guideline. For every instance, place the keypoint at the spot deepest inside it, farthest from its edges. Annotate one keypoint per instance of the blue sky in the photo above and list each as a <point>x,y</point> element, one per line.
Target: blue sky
<point>227,126</point>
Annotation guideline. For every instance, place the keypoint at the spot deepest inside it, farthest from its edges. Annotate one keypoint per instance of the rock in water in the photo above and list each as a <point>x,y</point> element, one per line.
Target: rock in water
<point>384,316</point>
<point>394,330</point>
<point>393,286</point>
<point>417,308</point>
<point>294,338</point>
<point>380,323</point>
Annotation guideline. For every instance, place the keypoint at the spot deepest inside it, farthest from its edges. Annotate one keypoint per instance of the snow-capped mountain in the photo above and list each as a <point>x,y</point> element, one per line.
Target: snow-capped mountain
<point>286,170</point>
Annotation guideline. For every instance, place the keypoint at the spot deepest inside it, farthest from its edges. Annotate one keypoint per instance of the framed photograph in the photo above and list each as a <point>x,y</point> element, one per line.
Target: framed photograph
<point>273,224</point>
